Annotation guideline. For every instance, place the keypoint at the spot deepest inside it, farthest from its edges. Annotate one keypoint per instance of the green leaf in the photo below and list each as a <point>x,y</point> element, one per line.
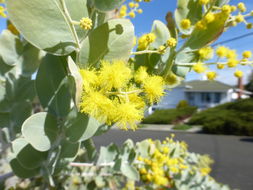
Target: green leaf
<point>10,48</point>
<point>31,58</point>
<point>152,60</point>
<point>80,127</point>
<point>19,113</point>
<point>4,120</point>
<point>21,171</point>
<point>40,130</point>
<point>181,71</point>
<point>201,38</point>
<point>69,150</point>
<point>26,155</point>
<point>107,5</point>
<point>188,9</point>
<point>129,171</point>
<point>52,85</point>
<point>110,41</point>
<point>107,154</point>
<point>74,71</point>
<point>43,23</point>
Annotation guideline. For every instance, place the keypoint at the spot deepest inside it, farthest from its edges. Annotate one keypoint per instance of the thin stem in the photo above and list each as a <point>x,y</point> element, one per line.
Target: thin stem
<point>70,22</point>
<point>144,52</point>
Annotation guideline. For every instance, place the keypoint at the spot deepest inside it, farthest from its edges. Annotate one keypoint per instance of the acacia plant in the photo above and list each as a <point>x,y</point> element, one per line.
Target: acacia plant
<point>72,69</point>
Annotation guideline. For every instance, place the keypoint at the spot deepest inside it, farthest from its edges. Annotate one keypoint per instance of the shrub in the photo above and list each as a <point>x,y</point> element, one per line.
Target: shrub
<point>231,118</point>
<point>182,104</point>
<point>169,116</point>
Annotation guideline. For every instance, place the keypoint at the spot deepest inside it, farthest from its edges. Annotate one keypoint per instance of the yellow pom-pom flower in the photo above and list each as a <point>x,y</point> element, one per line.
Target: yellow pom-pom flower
<point>86,23</point>
<point>185,24</point>
<point>220,66</point>
<point>211,75</point>
<point>241,6</point>
<point>145,40</point>
<point>247,54</point>
<point>203,2</point>
<point>232,63</point>
<point>114,75</point>
<point>221,51</point>
<point>238,74</point>
<point>154,88</point>
<point>210,17</point>
<point>131,14</point>
<point>205,53</point>
<point>199,68</point>
<point>2,12</point>
<point>141,75</point>
<point>239,18</point>
<point>171,42</point>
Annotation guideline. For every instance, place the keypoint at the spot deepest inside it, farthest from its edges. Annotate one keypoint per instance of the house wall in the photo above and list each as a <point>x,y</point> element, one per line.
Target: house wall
<point>196,99</point>
<point>170,99</point>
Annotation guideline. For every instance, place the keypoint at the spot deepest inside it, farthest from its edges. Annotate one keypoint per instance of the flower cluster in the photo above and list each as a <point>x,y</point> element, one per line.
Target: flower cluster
<point>133,7</point>
<point>168,161</point>
<point>116,94</point>
<point>219,14</point>
<point>2,11</point>
<point>226,57</point>
<point>86,23</point>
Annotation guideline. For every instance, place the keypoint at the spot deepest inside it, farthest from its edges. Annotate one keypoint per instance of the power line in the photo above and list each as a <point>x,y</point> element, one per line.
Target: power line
<point>233,39</point>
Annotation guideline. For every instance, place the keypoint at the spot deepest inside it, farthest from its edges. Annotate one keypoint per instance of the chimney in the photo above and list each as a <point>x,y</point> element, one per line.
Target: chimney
<point>240,88</point>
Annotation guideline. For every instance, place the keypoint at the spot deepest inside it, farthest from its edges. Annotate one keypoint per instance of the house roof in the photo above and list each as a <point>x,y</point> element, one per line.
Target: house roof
<point>205,86</point>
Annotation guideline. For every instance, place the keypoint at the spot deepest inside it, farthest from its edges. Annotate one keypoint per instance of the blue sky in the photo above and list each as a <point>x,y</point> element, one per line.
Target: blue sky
<point>157,9</point>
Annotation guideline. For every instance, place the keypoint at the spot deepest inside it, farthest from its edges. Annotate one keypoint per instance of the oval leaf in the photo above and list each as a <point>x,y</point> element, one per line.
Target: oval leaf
<point>110,41</point>
<point>40,130</point>
<point>107,5</point>
<point>49,30</point>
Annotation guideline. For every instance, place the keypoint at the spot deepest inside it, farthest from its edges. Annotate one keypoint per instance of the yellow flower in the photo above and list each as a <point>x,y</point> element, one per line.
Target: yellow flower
<point>200,25</point>
<point>140,11</point>
<point>86,23</point>
<point>204,2</point>
<point>127,115</point>
<point>221,51</point>
<point>199,68</point>
<point>115,75</point>
<point>141,75</point>
<point>205,53</point>
<point>131,14</point>
<point>131,5</point>
<point>232,63</point>
<point>205,171</point>
<point>220,66</point>
<point>241,6</point>
<point>145,40</point>
<point>172,80</point>
<point>98,106</point>
<point>185,24</point>
<point>154,88</point>
<point>171,42</point>
<point>247,54</point>
<point>238,74</point>
<point>162,49</point>
<point>211,75</point>
<point>123,11</point>
<point>2,13</point>
<point>89,78</point>
<point>239,18</point>
<point>209,17</point>
<point>226,9</point>
<point>231,54</point>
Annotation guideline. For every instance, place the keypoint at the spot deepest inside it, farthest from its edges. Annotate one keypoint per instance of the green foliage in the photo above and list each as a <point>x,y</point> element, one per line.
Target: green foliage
<point>107,5</point>
<point>40,130</point>
<point>50,30</point>
<point>231,118</point>
<point>110,41</point>
<point>182,104</point>
<point>169,116</point>
<point>182,127</point>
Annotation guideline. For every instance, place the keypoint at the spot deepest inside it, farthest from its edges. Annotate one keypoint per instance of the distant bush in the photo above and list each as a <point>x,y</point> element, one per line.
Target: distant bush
<point>231,118</point>
<point>182,104</point>
<point>169,116</point>
<point>182,127</point>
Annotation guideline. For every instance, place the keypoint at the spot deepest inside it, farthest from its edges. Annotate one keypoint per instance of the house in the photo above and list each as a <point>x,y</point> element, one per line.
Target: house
<point>200,93</point>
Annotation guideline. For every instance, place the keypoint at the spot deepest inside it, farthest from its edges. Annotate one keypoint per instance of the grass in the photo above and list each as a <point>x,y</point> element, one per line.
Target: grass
<point>182,127</point>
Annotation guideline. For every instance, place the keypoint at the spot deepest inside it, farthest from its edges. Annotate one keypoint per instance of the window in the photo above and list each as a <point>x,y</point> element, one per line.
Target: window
<point>205,97</point>
<point>217,97</point>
